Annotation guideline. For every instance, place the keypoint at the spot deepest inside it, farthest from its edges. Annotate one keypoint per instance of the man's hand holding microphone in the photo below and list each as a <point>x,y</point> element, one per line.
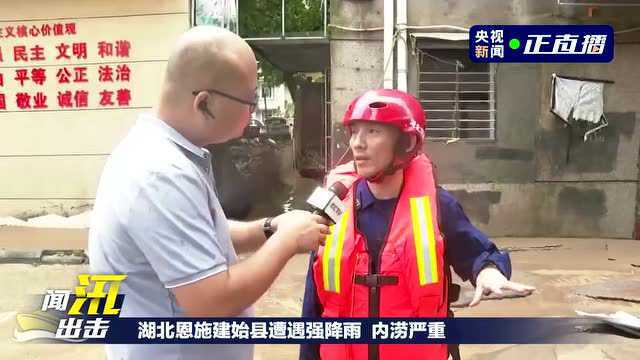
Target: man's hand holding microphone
<point>308,230</point>
<point>303,231</point>
<point>295,232</point>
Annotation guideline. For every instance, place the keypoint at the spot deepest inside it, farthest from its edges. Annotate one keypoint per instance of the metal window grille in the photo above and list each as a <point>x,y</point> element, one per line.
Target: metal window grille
<point>457,95</point>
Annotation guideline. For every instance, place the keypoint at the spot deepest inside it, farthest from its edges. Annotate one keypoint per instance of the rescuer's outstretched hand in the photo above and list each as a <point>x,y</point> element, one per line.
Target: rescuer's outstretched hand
<point>491,281</point>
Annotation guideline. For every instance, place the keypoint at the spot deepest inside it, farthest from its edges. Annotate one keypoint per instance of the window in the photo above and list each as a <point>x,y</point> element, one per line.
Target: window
<point>267,92</point>
<point>457,95</point>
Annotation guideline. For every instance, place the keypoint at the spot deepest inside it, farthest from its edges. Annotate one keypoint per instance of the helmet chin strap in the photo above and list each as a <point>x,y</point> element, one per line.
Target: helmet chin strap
<point>389,170</point>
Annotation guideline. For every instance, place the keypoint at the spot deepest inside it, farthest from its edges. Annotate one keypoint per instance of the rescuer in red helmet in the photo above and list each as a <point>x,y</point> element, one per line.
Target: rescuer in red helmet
<point>386,256</point>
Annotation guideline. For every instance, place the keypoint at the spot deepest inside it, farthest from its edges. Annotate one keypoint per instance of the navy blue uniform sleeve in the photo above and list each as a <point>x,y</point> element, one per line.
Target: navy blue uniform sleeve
<point>467,248</point>
<point>310,308</point>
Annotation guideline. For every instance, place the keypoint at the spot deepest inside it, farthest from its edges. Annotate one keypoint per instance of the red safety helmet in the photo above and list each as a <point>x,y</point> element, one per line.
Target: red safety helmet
<point>395,108</point>
<point>389,106</point>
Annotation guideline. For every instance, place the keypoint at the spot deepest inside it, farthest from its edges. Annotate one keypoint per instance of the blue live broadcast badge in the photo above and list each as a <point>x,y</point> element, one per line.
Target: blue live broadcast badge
<point>541,43</point>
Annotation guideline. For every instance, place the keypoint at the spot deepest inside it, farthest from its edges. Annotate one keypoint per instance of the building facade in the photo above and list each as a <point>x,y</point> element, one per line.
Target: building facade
<point>503,153</point>
<point>75,75</point>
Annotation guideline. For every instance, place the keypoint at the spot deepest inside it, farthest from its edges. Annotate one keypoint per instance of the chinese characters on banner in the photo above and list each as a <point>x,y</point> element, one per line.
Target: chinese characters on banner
<point>55,72</point>
<point>489,45</point>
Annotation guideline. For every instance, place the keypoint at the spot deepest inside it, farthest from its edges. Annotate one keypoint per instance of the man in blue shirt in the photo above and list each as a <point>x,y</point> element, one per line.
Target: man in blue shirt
<point>157,217</point>
<point>384,163</point>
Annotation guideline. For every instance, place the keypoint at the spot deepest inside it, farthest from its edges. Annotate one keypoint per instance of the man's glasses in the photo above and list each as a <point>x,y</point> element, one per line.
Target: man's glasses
<point>252,104</point>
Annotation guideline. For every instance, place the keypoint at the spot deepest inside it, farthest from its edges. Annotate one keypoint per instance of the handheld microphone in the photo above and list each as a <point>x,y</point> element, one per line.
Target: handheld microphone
<point>328,202</point>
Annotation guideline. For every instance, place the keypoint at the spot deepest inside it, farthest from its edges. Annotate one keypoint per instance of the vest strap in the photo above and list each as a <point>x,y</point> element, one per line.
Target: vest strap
<point>375,280</point>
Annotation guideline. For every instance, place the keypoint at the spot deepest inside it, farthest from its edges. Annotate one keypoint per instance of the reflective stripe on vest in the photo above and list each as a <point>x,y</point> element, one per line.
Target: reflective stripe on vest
<point>332,255</point>
<point>424,239</point>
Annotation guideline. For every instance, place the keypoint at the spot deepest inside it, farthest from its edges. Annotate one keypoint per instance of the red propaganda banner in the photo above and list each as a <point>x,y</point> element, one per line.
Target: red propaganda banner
<point>48,66</point>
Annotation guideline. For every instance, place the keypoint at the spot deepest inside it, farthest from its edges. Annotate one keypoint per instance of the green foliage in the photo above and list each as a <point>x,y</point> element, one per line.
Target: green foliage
<point>263,18</point>
<point>271,75</point>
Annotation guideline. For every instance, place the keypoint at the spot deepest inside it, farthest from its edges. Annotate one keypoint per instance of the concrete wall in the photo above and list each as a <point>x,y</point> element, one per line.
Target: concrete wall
<point>519,184</point>
<point>308,130</point>
<point>356,59</point>
<point>51,159</point>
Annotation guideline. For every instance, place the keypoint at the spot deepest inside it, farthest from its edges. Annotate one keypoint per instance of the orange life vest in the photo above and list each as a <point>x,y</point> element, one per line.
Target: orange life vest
<point>411,281</point>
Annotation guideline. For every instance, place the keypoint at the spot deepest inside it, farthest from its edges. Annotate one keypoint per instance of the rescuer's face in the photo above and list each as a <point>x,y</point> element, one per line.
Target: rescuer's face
<point>373,146</point>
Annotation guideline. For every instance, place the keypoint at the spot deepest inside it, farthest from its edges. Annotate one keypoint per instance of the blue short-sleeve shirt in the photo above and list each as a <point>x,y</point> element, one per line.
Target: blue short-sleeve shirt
<point>157,219</point>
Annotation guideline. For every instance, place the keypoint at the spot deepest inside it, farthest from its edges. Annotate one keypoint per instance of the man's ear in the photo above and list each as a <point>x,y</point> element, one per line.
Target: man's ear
<point>413,141</point>
<point>199,100</point>
<point>203,106</point>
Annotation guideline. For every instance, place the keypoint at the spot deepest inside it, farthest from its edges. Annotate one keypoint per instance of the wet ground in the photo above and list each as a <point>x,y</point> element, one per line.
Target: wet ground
<point>559,268</point>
